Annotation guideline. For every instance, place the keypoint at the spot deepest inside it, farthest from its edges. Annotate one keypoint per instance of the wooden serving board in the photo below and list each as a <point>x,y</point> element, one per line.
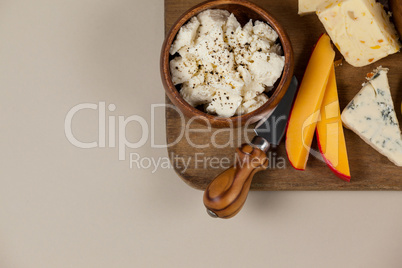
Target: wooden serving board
<point>369,169</point>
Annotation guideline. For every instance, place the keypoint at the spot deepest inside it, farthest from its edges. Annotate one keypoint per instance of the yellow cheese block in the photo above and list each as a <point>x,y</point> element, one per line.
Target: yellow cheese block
<point>330,137</point>
<point>360,29</point>
<point>309,6</point>
<point>306,109</point>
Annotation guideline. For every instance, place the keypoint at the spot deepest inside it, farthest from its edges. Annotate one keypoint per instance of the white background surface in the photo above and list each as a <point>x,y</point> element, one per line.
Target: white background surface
<point>61,206</point>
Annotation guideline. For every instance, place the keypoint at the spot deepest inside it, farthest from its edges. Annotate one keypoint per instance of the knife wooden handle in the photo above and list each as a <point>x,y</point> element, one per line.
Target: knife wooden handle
<point>226,194</point>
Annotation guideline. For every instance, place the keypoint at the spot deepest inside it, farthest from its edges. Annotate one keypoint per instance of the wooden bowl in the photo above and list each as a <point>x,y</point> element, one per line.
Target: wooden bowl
<point>244,11</point>
<point>396,9</point>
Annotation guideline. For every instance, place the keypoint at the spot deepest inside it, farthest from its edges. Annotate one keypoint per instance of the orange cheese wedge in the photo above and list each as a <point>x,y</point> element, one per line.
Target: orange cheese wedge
<point>306,109</point>
<point>330,137</point>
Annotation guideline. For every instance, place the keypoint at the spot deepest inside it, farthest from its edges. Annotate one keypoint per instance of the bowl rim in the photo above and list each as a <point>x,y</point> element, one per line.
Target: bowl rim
<point>238,120</point>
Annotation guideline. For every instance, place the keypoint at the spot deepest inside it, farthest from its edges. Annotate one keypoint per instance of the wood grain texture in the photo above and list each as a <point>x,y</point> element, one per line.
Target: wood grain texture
<point>226,194</point>
<point>244,11</point>
<point>396,8</point>
<point>369,169</point>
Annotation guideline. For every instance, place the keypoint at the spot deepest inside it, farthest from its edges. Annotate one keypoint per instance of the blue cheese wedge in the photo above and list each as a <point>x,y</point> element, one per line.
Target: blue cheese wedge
<point>371,115</point>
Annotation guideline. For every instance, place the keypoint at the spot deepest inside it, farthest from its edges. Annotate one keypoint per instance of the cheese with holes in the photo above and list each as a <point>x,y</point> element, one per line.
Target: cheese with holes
<point>360,29</point>
<point>371,115</point>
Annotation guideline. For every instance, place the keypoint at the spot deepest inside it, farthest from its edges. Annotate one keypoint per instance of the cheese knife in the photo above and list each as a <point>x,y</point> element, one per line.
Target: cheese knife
<point>225,195</point>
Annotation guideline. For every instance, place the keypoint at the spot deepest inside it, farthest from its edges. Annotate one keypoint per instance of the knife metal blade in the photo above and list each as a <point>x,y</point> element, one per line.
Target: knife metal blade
<point>273,128</point>
<point>226,194</point>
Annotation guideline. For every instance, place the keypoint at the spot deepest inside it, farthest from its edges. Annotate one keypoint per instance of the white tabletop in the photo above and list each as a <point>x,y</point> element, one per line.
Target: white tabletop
<point>65,206</point>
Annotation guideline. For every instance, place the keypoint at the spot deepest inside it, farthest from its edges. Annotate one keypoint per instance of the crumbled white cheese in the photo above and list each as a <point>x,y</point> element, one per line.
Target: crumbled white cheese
<point>252,90</point>
<point>244,35</point>
<point>252,104</point>
<point>267,67</point>
<point>264,30</point>
<point>276,48</point>
<point>197,95</point>
<point>224,103</point>
<point>231,24</point>
<point>186,35</point>
<point>260,44</point>
<point>211,18</point>
<point>224,66</point>
<point>182,69</point>
<point>198,78</point>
